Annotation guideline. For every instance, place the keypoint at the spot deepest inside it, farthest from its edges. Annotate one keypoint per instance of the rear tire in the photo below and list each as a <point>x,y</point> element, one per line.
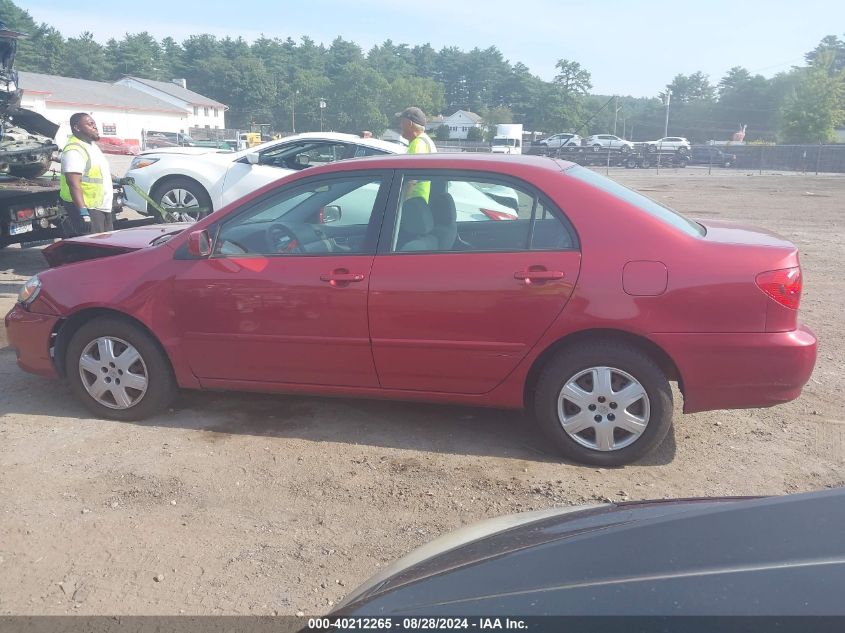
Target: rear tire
<point>608,380</point>
<point>118,371</point>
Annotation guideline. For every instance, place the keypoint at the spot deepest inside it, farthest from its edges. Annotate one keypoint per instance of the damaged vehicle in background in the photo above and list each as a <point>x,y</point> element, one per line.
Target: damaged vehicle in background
<point>27,147</point>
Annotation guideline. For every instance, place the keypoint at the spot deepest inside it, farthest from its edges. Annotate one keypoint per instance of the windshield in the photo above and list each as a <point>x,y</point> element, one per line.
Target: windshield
<point>507,142</point>
<point>642,202</point>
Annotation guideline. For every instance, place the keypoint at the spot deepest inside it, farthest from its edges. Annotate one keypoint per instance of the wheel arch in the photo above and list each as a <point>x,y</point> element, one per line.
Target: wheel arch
<point>647,346</point>
<point>66,328</point>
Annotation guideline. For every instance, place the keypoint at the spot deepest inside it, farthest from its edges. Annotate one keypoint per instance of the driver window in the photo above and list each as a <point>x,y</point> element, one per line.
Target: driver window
<point>304,154</point>
<point>324,217</point>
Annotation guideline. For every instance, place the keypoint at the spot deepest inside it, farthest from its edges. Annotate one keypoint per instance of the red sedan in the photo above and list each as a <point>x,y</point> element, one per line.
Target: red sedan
<point>338,280</point>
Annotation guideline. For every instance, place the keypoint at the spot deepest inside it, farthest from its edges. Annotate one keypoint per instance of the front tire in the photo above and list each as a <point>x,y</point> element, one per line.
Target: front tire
<point>183,198</point>
<point>118,371</point>
<point>604,403</point>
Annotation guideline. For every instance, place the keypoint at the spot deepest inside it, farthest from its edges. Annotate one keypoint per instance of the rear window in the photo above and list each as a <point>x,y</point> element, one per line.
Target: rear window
<point>642,202</point>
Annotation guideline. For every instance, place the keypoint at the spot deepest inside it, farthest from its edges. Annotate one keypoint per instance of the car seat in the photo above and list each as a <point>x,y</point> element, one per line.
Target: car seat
<point>415,227</point>
<point>445,220</point>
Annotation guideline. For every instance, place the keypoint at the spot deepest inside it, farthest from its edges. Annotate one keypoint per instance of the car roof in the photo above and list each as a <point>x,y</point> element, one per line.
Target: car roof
<point>375,143</point>
<point>505,164</point>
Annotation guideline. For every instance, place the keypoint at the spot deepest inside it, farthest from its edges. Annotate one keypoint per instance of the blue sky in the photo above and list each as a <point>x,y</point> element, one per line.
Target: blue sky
<point>629,47</point>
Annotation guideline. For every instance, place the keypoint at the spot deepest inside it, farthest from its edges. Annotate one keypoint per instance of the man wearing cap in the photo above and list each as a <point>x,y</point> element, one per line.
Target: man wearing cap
<point>412,121</point>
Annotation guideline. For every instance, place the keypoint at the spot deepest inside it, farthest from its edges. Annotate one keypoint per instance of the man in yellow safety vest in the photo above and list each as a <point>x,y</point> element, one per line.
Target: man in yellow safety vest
<point>412,121</point>
<point>85,186</point>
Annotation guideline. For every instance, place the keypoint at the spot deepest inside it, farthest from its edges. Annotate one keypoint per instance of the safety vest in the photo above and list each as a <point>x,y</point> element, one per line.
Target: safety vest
<point>92,178</point>
<point>422,144</point>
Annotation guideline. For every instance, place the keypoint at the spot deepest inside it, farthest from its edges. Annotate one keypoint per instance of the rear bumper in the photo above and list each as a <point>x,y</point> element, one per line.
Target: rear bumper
<point>29,335</point>
<point>741,371</point>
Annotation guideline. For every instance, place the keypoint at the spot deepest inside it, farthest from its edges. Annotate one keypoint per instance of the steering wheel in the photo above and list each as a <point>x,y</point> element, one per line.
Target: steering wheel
<point>283,239</point>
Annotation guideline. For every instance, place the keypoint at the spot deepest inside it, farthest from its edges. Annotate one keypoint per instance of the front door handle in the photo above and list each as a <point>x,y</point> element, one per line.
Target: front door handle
<point>341,277</point>
<point>530,276</point>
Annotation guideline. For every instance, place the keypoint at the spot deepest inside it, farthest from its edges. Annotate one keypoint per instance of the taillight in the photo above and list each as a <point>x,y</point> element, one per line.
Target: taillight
<point>25,214</point>
<point>497,215</point>
<point>784,286</point>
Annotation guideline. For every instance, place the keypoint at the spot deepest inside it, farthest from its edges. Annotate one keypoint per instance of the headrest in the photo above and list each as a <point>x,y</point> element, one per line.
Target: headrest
<point>443,208</point>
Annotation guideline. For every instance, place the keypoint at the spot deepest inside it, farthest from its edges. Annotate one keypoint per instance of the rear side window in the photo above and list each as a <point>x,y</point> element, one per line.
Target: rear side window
<point>642,202</point>
<point>476,214</point>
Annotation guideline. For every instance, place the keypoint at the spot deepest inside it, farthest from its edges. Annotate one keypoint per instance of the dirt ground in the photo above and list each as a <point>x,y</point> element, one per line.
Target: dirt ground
<point>246,504</point>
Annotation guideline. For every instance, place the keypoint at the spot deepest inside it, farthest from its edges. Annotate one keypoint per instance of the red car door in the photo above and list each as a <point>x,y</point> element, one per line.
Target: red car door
<point>458,316</point>
<point>283,298</point>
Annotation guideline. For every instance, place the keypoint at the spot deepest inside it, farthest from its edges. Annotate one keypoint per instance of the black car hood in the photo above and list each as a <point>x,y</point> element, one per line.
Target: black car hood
<point>771,556</point>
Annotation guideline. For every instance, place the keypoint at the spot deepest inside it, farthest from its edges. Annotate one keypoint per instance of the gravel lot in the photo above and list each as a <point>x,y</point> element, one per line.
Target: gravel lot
<point>248,504</point>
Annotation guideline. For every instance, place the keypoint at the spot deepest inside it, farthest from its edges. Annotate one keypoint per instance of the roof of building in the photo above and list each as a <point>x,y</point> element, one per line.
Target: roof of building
<point>83,92</point>
<point>472,116</point>
<point>175,90</point>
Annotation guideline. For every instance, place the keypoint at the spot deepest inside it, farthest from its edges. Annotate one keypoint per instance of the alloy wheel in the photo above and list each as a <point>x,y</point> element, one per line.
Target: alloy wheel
<point>603,408</point>
<point>113,372</point>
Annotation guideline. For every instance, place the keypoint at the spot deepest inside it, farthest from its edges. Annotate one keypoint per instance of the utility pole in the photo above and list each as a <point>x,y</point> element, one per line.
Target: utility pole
<point>615,113</point>
<point>293,111</point>
<point>666,125</point>
<point>322,107</point>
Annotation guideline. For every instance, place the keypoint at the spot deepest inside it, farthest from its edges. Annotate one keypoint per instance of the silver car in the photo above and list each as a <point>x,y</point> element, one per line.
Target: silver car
<point>608,141</point>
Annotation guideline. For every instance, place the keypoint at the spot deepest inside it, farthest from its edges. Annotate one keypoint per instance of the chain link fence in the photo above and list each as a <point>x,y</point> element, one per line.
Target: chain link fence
<point>800,158</point>
<point>803,158</point>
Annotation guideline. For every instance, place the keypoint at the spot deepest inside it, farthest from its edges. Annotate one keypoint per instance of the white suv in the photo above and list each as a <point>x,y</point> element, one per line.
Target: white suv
<point>565,139</point>
<point>601,141</point>
<point>668,144</point>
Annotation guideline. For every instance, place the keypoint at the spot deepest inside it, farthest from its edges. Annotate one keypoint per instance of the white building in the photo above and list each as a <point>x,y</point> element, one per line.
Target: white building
<point>118,110</point>
<point>201,111</point>
<point>459,123</point>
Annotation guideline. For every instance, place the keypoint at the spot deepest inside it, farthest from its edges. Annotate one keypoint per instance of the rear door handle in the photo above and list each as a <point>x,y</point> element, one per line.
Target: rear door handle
<point>529,276</point>
<point>341,277</point>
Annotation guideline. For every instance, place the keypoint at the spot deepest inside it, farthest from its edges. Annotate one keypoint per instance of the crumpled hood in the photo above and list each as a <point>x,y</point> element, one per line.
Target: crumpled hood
<point>85,247</point>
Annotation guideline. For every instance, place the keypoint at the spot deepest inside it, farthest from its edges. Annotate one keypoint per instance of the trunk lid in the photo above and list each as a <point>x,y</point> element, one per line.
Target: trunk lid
<point>749,256</point>
<point>729,233</point>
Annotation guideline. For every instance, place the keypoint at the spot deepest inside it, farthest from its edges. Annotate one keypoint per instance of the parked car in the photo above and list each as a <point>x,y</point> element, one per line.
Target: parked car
<point>114,145</point>
<point>711,155</point>
<point>224,145</point>
<point>656,560</point>
<point>192,182</point>
<point>329,281</point>
<point>668,144</point>
<point>155,140</point>
<point>602,141</point>
<point>561,140</point>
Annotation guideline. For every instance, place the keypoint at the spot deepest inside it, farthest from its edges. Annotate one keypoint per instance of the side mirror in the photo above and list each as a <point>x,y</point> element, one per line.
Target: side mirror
<point>253,158</point>
<point>330,213</point>
<point>199,244</point>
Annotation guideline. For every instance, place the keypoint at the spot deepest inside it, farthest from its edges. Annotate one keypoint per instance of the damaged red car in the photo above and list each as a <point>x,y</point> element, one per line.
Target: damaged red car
<point>359,279</point>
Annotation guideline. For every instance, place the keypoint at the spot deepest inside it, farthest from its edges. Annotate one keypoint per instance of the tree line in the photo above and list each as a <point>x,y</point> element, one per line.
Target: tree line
<point>282,81</point>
